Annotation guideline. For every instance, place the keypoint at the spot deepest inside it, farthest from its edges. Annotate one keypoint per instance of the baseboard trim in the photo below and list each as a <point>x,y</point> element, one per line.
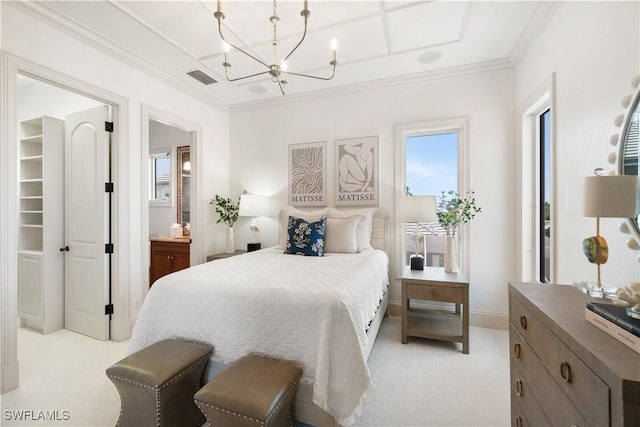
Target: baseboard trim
<point>483,320</point>
<point>10,377</point>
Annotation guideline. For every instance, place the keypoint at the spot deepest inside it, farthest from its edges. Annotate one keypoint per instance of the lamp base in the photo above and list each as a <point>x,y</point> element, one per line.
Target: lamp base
<point>417,262</point>
<point>592,289</point>
<point>253,247</point>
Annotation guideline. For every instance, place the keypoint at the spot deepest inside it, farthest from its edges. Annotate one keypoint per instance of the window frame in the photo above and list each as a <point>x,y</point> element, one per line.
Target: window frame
<point>153,156</point>
<point>458,125</point>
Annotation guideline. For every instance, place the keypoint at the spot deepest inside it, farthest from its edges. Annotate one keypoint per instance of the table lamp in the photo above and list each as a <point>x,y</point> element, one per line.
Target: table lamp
<point>417,209</point>
<point>253,205</point>
<point>605,196</point>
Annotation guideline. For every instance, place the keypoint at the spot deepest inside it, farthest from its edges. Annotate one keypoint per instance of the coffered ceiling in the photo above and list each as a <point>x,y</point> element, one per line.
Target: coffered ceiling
<point>378,41</point>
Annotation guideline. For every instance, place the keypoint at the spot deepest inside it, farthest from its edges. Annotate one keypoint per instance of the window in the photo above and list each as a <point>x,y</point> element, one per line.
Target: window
<point>544,206</point>
<point>431,167</point>
<point>160,178</point>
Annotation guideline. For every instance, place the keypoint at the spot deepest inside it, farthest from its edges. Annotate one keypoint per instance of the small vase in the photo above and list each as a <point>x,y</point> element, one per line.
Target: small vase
<point>451,255</point>
<point>230,246</point>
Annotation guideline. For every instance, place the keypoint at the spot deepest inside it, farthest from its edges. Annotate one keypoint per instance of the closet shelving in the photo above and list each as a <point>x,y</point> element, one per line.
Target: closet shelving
<point>40,263</point>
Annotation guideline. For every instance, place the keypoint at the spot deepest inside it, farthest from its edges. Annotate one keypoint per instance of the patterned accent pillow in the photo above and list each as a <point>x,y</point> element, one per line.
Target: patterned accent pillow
<point>305,238</point>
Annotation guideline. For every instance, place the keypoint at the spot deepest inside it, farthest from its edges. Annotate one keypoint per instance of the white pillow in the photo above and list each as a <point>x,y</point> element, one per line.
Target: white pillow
<point>364,228</point>
<point>341,235</point>
<point>309,216</point>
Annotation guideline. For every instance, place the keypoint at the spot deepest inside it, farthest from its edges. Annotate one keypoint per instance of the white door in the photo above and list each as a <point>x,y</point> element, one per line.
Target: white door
<point>87,222</point>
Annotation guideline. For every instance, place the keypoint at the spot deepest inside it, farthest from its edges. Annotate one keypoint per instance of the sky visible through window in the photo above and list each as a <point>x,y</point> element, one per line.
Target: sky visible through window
<point>431,163</point>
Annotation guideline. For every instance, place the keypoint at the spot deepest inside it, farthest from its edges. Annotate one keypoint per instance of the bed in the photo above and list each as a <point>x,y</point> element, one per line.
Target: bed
<point>323,312</point>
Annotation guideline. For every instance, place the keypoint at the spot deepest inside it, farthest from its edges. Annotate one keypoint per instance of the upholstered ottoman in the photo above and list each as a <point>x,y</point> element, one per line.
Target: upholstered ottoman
<point>254,391</point>
<point>157,384</point>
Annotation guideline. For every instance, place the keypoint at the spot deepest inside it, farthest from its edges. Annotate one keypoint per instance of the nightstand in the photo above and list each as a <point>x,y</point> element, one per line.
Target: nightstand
<point>223,255</point>
<point>433,284</point>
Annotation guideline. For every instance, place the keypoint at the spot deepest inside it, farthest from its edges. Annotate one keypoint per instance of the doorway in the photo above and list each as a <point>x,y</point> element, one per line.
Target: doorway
<point>64,266</point>
<point>176,142</point>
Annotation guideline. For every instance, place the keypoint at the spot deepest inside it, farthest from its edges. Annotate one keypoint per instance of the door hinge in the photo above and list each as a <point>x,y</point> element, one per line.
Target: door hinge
<point>108,309</point>
<point>108,187</point>
<point>108,248</point>
<point>108,126</point>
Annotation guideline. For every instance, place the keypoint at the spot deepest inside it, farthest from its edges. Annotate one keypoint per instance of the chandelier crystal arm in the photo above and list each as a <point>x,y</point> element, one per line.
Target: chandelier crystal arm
<point>226,74</point>
<point>306,14</point>
<point>333,73</point>
<point>219,16</point>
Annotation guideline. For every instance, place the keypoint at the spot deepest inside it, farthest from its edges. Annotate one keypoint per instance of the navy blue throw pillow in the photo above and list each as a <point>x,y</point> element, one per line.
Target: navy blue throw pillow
<point>305,238</point>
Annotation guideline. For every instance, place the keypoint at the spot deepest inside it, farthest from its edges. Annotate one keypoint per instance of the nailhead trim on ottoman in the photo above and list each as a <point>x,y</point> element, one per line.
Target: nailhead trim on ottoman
<point>256,391</point>
<point>157,384</point>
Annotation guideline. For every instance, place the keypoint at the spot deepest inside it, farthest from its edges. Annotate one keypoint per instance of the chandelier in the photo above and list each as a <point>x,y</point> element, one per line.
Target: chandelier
<point>278,69</point>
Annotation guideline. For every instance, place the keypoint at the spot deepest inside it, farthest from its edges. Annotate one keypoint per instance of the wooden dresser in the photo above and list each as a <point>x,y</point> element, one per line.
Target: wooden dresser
<point>564,370</point>
<point>167,256</point>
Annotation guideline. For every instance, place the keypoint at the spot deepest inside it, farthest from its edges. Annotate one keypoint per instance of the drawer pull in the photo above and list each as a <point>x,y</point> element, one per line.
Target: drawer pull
<point>516,350</point>
<point>518,422</point>
<point>434,292</point>
<point>565,372</point>
<point>519,387</point>
<point>523,321</point>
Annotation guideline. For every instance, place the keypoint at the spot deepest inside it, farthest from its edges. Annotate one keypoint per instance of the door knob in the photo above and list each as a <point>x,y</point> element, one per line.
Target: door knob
<point>65,249</point>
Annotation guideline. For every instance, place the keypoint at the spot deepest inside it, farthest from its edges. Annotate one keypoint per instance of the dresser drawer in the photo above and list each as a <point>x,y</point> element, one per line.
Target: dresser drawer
<point>434,293</point>
<point>169,248</point>
<point>587,392</point>
<point>538,392</point>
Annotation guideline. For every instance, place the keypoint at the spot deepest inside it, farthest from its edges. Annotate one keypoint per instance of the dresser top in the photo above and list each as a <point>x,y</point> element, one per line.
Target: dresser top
<point>561,309</point>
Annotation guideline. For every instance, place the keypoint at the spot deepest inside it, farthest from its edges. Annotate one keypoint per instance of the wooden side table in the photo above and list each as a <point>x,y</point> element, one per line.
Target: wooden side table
<point>433,284</point>
<point>223,255</point>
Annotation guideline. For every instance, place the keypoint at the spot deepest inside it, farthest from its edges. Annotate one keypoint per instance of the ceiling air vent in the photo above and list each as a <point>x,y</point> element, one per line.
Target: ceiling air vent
<point>202,77</point>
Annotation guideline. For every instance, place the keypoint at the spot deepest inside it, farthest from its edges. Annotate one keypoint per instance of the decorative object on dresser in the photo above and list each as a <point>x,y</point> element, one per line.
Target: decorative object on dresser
<point>565,371</point>
<point>415,210</point>
<point>433,284</point>
<point>629,296</point>
<point>277,70</point>
<point>611,324</point>
<point>454,210</point>
<point>228,213</point>
<point>168,256</point>
<point>253,205</point>
<point>605,196</point>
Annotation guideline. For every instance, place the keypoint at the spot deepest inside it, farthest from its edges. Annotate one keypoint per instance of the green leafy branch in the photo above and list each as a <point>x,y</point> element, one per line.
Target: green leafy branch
<point>226,209</point>
<point>454,210</point>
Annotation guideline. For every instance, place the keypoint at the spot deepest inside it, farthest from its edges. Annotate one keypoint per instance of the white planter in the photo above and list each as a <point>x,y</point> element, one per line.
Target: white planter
<point>451,255</point>
<point>230,246</point>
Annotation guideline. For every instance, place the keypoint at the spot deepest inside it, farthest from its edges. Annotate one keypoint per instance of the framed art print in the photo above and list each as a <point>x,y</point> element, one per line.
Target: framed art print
<point>308,174</point>
<point>356,179</point>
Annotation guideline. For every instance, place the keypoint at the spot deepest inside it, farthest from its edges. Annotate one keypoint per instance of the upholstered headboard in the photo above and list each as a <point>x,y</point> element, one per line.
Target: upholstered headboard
<point>380,233</point>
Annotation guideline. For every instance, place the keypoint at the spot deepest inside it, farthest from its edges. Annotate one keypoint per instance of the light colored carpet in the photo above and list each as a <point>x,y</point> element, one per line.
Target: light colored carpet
<point>422,383</point>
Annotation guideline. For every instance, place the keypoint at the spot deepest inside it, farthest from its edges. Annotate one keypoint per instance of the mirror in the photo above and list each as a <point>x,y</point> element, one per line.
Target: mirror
<point>160,178</point>
<point>629,149</point>
<point>183,189</point>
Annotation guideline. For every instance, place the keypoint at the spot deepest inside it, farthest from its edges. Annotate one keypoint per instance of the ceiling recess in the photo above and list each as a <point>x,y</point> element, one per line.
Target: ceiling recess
<point>202,77</point>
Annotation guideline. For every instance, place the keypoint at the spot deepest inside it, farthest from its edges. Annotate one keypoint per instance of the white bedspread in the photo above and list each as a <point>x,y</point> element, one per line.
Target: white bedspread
<point>314,310</point>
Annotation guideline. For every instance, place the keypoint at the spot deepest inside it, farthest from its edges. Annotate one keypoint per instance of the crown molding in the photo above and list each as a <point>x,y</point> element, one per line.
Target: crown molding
<point>538,22</point>
<point>480,67</point>
<point>44,13</point>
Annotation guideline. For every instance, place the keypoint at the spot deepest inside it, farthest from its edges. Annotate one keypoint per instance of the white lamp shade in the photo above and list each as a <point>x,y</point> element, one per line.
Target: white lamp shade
<point>254,205</point>
<point>418,209</point>
<point>611,196</point>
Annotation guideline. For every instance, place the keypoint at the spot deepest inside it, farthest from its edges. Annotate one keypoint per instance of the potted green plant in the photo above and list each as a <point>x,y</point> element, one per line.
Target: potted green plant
<point>453,210</point>
<point>227,212</point>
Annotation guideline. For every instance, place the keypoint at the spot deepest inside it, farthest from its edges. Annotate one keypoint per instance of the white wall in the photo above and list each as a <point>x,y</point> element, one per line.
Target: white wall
<point>163,136</point>
<point>594,50</point>
<point>29,42</point>
<point>35,98</point>
<point>259,147</point>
